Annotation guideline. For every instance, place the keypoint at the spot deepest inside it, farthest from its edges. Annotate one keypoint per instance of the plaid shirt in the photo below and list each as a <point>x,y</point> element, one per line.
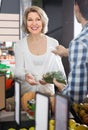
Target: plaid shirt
<point>77,87</point>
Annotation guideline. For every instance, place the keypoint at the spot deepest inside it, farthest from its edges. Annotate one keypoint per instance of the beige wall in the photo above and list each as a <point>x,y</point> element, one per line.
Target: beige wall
<point>9,27</point>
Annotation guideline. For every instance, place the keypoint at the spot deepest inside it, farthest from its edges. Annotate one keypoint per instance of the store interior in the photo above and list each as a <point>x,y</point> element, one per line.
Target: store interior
<point>61,27</point>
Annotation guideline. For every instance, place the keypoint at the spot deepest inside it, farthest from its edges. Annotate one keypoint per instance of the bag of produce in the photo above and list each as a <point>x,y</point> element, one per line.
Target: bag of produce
<point>49,76</point>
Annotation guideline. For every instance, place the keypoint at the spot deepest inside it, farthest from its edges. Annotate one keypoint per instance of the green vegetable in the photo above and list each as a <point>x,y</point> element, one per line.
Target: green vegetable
<point>32,128</point>
<point>3,68</point>
<point>11,129</point>
<point>49,76</point>
<point>22,129</point>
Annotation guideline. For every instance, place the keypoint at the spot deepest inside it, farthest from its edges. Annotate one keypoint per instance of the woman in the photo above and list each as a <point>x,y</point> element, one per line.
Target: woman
<point>33,54</point>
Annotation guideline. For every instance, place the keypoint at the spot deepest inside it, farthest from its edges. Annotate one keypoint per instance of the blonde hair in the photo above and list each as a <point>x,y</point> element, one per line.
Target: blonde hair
<point>42,15</point>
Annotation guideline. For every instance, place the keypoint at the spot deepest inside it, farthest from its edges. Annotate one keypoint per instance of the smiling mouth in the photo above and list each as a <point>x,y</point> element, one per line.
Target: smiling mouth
<point>34,28</point>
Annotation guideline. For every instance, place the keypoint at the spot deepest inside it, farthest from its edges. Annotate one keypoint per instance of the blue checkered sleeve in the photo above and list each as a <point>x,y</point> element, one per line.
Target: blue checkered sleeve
<point>78,77</point>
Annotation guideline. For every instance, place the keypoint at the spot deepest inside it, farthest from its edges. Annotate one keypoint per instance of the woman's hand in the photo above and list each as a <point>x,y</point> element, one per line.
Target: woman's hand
<point>30,79</point>
<point>59,85</point>
<point>42,82</point>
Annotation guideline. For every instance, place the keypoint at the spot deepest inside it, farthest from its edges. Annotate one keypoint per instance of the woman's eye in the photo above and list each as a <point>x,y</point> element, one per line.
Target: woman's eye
<point>29,20</point>
<point>38,19</point>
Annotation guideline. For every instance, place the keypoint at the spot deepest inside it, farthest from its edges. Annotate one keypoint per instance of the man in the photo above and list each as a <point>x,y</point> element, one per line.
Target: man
<point>77,87</point>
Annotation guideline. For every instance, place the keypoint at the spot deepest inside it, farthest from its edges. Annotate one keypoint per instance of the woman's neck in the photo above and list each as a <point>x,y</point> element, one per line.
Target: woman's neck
<point>37,44</point>
<point>36,37</point>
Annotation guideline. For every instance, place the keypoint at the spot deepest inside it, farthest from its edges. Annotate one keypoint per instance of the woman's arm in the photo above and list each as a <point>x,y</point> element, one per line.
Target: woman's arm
<point>20,71</point>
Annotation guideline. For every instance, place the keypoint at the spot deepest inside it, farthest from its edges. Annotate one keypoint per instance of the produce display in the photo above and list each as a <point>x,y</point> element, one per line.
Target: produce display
<point>11,129</point>
<point>25,98</point>
<point>49,76</point>
<point>6,57</point>
<point>31,128</point>
<point>72,125</point>
<point>31,109</point>
<point>52,124</point>
<point>3,68</point>
<point>81,111</point>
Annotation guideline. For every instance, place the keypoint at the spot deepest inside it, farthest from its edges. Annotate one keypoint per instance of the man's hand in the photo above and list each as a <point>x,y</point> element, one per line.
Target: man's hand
<point>61,51</point>
<point>59,85</point>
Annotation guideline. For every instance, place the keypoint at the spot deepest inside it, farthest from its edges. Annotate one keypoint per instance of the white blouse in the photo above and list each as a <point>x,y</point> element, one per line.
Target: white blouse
<point>26,62</point>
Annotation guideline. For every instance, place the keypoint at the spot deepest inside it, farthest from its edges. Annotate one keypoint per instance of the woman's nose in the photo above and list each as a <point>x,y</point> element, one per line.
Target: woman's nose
<point>34,22</point>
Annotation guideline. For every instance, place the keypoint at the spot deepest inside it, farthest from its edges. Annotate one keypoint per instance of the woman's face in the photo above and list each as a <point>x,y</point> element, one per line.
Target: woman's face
<point>34,23</point>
